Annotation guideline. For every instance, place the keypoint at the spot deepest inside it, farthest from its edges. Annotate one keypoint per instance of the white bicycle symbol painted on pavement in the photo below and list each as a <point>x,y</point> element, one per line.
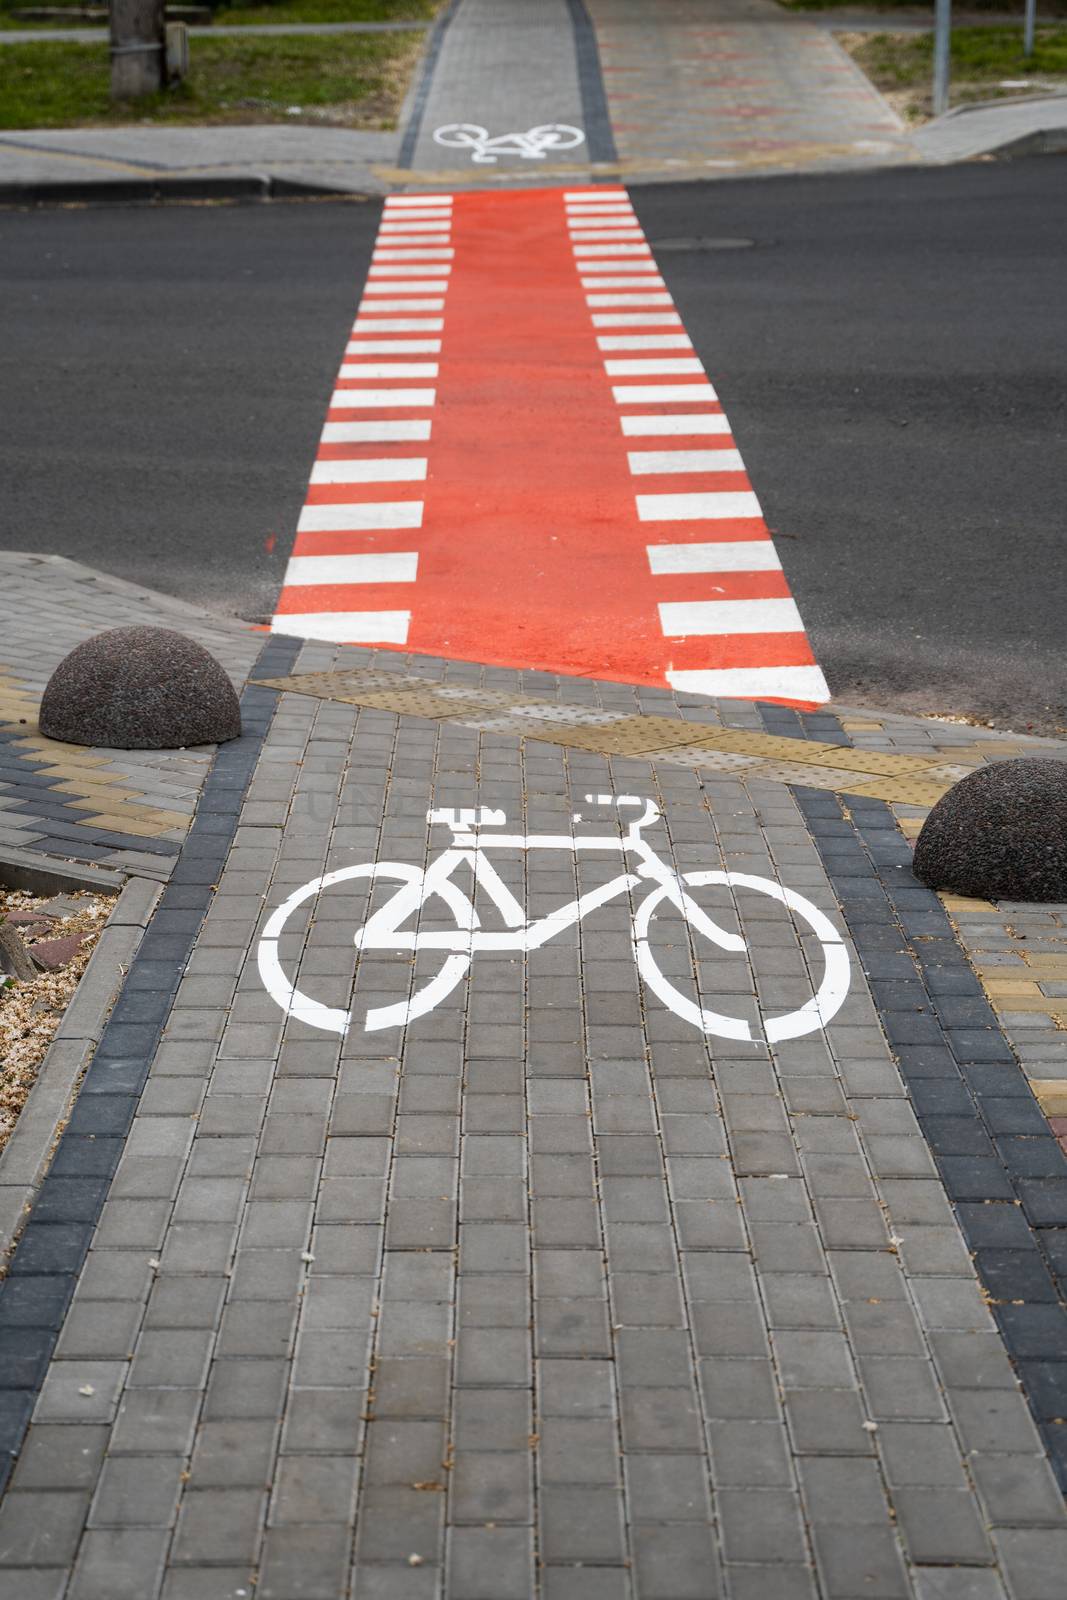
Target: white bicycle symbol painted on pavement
<point>531,146</point>
<point>470,848</point>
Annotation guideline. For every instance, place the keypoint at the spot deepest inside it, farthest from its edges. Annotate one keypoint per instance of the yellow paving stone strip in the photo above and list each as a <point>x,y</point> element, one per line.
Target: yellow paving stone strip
<point>1020,990</point>
<point>784,156</point>
<point>1051,1096</point>
<point>113,803</point>
<point>1011,990</point>
<point>883,775</point>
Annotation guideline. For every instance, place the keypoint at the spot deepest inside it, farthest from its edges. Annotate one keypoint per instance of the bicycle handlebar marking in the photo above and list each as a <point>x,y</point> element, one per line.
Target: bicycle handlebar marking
<point>659,884</point>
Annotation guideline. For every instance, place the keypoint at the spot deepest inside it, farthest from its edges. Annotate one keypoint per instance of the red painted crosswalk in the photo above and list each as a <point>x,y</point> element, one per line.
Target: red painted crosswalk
<point>525,464</point>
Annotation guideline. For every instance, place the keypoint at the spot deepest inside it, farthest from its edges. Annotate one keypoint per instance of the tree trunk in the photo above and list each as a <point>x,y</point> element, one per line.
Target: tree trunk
<point>137,48</point>
<point>14,957</point>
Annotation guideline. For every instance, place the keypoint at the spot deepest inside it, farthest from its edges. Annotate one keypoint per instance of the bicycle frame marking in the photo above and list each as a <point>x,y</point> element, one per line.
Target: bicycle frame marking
<point>470,844</point>
<point>531,145</point>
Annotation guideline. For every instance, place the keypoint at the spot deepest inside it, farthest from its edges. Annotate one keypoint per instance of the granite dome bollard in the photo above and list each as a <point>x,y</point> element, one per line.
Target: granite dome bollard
<point>140,689</point>
<point>999,834</point>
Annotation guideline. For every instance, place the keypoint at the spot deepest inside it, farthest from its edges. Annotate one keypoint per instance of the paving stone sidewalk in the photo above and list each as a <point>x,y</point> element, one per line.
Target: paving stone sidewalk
<point>548,1293</point>
<point>130,809</point>
<point>683,89</point>
<point>738,86</point>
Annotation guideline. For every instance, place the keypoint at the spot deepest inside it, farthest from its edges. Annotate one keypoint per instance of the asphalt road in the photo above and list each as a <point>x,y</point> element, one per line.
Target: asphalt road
<point>890,350</point>
<point>164,374</point>
<point>892,354</point>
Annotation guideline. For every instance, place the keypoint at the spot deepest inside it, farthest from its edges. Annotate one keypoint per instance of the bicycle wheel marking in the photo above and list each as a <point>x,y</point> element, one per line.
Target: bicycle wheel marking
<point>655,881</point>
<point>521,420</point>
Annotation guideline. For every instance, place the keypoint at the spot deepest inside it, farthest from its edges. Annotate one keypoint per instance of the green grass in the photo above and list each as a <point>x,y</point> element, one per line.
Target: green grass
<point>240,15</point>
<point>981,58</point>
<point>912,9</point>
<point>327,11</point>
<point>349,80</point>
<point>856,5</point>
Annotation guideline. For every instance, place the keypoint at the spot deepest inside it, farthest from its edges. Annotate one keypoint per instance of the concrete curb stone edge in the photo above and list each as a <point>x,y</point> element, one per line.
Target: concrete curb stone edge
<point>160,602</point>
<point>264,187</point>
<point>127,191</point>
<point>25,1157</point>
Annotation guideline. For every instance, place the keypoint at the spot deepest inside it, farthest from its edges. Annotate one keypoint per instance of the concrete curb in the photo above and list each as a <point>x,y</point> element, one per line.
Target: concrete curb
<point>26,1156</point>
<point>995,129</point>
<point>1045,142</point>
<point>165,603</point>
<point>25,869</point>
<point>264,188</point>
<point>160,190</point>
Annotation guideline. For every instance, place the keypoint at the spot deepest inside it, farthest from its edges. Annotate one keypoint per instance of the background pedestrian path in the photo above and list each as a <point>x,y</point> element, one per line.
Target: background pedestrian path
<point>738,84</point>
<point>685,89</point>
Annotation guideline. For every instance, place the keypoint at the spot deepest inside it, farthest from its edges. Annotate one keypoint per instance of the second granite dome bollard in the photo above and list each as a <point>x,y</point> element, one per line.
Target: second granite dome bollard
<point>999,834</point>
<point>140,689</point>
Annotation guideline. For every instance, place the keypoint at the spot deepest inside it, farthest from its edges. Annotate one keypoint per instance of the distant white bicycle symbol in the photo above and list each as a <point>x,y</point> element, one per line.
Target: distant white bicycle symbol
<point>470,846</point>
<point>531,146</point>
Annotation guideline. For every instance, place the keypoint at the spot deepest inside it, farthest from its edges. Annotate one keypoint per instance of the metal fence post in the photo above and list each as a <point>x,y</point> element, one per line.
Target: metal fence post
<point>1028,27</point>
<point>942,40</point>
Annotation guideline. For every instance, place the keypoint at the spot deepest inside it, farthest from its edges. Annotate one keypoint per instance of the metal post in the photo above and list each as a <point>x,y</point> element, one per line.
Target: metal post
<point>1028,27</point>
<point>942,41</point>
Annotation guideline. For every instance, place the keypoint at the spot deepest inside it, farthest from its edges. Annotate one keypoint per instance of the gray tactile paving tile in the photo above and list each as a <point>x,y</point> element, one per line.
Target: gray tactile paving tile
<point>549,1292</point>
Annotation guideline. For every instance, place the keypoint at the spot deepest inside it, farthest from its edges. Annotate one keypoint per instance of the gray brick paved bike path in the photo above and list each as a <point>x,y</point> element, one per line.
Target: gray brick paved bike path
<point>546,1294</point>
<point>507,66</point>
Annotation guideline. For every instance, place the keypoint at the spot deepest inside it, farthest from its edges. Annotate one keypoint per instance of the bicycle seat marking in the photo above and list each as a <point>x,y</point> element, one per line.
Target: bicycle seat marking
<point>531,146</point>
<point>651,881</point>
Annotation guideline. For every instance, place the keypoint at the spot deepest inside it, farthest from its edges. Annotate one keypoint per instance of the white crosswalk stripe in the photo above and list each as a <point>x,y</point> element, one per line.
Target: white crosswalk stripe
<point>655,461</point>
<point>697,507</point>
<point>362,514</point>
<point>391,566</point>
<point>346,627</point>
<point>729,555</point>
<point>371,469</point>
<point>375,399</point>
<point>378,432</point>
<point>678,422</point>
<point>635,394</point>
<point>682,617</point>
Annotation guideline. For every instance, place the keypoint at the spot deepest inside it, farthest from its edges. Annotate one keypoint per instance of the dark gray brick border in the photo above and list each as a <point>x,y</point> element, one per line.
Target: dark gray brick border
<point>422,88</point>
<point>599,134</point>
<point>1002,1168</point>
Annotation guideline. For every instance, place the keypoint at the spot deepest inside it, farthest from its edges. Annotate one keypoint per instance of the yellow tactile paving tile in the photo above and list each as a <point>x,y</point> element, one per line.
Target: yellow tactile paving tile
<point>906,791</point>
<point>1047,966</point>
<point>961,903</point>
<point>110,823</point>
<point>132,813</point>
<point>97,791</point>
<point>813,777</point>
<point>1005,989</point>
<point>1051,1095</point>
<point>58,753</point>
